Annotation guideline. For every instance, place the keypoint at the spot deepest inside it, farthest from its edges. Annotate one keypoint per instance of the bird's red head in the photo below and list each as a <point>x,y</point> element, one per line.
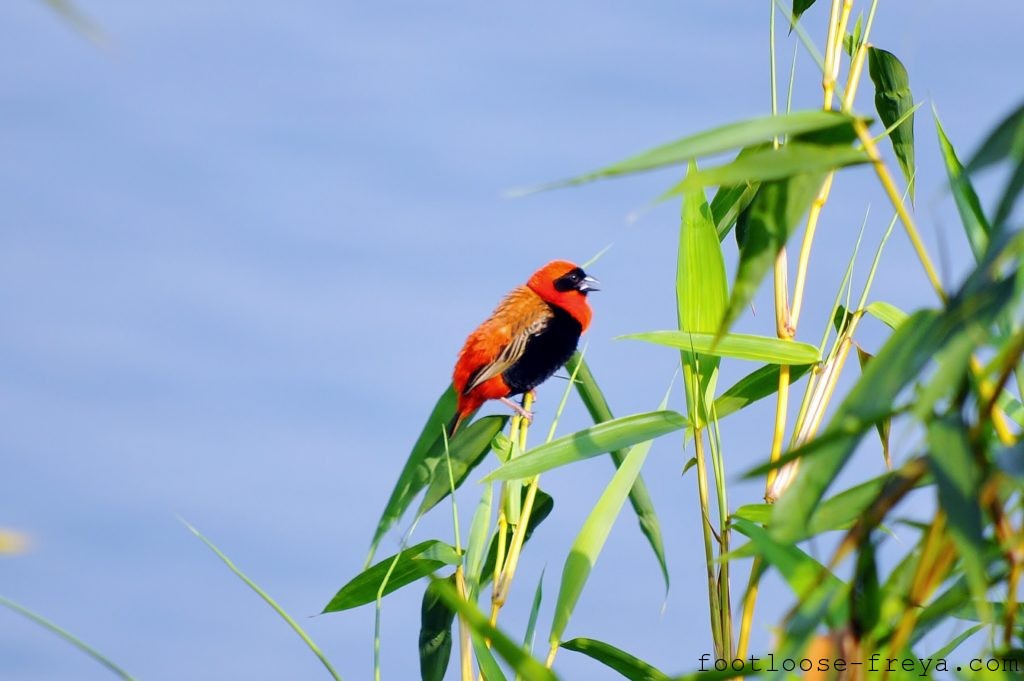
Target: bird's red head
<point>566,285</point>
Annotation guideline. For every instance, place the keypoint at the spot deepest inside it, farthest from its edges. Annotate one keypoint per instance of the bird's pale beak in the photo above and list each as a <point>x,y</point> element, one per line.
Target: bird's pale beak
<point>588,284</point>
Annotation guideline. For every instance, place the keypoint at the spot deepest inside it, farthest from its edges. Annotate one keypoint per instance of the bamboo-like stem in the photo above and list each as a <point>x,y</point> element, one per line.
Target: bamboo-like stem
<point>885,177</point>
<point>465,646</point>
<point>724,586</point>
<point>749,601</point>
<point>714,603</point>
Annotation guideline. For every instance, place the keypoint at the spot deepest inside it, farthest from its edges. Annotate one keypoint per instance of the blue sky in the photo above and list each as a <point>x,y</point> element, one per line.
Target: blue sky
<point>242,244</point>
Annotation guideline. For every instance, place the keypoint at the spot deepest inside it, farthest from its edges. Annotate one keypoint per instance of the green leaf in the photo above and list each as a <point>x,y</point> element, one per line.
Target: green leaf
<point>718,140</point>
<point>603,437</point>
<point>630,667</point>
<point>435,634</point>
<point>523,663</point>
<point>799,7</point>
<point>865,596</point>
<point>1005,141</point>
<point>893,101</point>
<point>269,601</point>
<point>597,406</point>
<point>531,623</point>
<point>890,315</point>
<point>592,536</point>
<point>972,216</point>
<point>901,360</point>
<point>477,548</point>
<point>419,467</point>
<point>702,293</point>
<point>737,345</point>
<point>774,212</point>
<point>775,164</point>
<point>413,563</point>
<point>467,451</point>
<point>489,669</point>
<point>885,425</point>
<point>959,485</point>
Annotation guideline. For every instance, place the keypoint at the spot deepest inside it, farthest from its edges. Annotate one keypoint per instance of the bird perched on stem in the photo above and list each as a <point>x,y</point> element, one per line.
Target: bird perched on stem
<point>528,337</point>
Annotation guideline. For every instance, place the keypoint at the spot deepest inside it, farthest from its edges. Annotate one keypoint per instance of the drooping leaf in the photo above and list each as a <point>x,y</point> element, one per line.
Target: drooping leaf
<point>901,360</point>
<point>774,212</point>
<point>467,451</point>
<point>888,314</point>
<point>799,7</point>
<point>522,662</point>
<point>418,469</point>
<point>775,164</point>
<point>629,666</point>
<point>435,633</point>
<point>413,563</point>
<point>885,425</point>
<point>975,224</point>
<point>959,485</point>
<point>894,101</point>
<point>736,345</point>
<point>589,442</point>
<point>717,140</point>
<point>590,541</point>
<point>597,406</point>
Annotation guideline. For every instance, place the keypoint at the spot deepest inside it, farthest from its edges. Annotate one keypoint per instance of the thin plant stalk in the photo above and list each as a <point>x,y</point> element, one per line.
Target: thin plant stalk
<point>465,645</point>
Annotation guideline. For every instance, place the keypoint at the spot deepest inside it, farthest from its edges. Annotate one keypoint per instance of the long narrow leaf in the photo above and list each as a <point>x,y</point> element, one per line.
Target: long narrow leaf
<point>775,164</point>
<point>629,666</point>
<point>737,345</point>
<point>604,437</point>
<point>639,497</point>
<point>893,101</point>
<point>975,224</point>
<point>715,141</point>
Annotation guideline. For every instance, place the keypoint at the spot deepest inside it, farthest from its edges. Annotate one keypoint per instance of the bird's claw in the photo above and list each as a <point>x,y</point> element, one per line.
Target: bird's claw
<point>518,409</point>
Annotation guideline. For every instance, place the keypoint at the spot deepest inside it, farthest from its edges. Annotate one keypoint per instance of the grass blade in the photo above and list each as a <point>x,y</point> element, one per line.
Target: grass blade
<point>67,636</point>
<point>603,437</point>
<point>639,498</point>
<point>715,141</point>
<point>468,450</point>
<point>755,386</point>
<point>736,345</point>
<point>269,601</point>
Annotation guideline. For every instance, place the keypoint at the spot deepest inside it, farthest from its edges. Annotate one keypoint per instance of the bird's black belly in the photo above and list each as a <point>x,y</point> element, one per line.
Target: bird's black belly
<point>546,352</point>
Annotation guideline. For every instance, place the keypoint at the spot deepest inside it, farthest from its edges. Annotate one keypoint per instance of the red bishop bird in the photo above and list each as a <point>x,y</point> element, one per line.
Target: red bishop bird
<point>531,334</point>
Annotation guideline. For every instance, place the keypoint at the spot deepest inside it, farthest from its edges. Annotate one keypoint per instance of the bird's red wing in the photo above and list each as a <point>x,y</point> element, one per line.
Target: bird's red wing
<point>500,341</point>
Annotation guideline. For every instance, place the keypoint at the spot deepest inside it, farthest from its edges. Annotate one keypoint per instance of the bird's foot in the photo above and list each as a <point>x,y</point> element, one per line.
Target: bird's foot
<point>528,415</point>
